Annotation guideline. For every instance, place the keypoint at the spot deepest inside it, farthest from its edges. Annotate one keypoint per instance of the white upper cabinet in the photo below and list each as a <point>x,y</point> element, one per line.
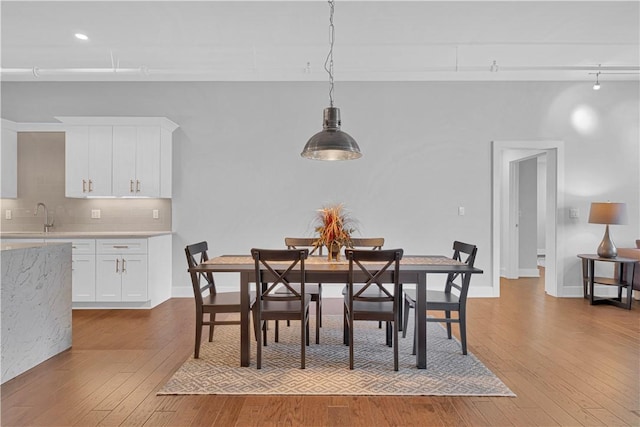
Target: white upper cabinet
<point>9,160</point>
<point>118,156</point>
<point>88,161</point>
<point>136,165</point>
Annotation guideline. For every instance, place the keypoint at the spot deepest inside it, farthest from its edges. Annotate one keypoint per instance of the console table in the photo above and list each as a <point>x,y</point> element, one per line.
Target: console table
<point>589,279</point>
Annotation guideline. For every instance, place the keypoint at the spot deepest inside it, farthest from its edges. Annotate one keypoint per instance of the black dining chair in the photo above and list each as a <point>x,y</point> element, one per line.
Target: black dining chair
<point>313,289</point>
<point>209,302</point>
<point>370,299</point>
<point>452,298</point>
<point>272,268</point>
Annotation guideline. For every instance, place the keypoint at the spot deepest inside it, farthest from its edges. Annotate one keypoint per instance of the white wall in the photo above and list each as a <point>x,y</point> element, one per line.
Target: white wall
<point>239,181</point>
<point>528,222</point>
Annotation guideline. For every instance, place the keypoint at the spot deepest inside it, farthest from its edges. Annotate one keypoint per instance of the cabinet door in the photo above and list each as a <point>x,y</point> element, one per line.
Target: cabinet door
<point>134,278</point>
<point>83,278</point>
<point>9,163</point>
<point>148,161</point>
<point>108,278</point>
<point>76,155</point>
<point>100,161</point>
<point>124,160</point>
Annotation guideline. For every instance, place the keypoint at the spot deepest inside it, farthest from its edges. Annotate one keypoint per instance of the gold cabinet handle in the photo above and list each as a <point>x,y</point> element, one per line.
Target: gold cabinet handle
<point>84,186</point>
<point>120,246</point>
<point>124,266</point>
<point>117,261</point>
<point>130,186</point>
<point>90,186</point>
<point>137,186</point>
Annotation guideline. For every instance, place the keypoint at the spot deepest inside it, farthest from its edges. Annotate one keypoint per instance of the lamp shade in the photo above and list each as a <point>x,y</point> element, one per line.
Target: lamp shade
<point>608,213</point>
<point>331,143</point>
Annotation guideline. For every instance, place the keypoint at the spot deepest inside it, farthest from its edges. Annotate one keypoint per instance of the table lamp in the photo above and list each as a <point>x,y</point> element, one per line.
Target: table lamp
<point>607,213</point>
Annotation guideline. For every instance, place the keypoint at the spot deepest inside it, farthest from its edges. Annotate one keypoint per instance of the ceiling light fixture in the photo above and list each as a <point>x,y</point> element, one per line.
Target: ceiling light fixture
<point>81,36</point>
<point>331,143</point>
<point>596,85</point>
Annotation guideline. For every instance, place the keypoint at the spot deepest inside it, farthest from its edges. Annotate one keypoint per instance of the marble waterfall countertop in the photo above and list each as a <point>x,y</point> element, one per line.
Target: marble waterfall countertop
<point>35,296</point>
<point>81,234</point>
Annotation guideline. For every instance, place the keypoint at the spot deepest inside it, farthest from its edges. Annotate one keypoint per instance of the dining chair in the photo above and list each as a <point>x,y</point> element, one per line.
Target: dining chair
<point>372,243</point>
<point>272,266</point>
<point>452,298</point>
<point>371,300</point>
<point>313,289</point>
<point>208,300</point>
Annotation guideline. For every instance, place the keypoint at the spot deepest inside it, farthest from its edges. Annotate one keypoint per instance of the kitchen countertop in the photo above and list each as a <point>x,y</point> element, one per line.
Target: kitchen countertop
<point>14,246</point>
<point>81,234</point>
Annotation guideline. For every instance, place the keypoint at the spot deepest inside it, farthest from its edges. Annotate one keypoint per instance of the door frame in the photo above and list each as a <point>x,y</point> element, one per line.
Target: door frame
<point>554,270</point>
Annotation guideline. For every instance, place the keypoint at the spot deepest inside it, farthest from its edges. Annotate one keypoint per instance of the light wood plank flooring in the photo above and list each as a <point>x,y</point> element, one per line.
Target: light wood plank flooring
<point>569,363</point>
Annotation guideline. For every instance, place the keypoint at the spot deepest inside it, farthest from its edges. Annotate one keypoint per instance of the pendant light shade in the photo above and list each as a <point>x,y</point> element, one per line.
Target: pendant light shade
<point>331,143</point>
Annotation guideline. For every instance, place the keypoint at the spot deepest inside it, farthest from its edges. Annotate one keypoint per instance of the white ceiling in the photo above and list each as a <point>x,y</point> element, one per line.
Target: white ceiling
<point>275,40</point>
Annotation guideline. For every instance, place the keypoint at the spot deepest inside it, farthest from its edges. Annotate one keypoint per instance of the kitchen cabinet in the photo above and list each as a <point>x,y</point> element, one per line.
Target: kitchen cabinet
<point>136,161</point>
<point>83,270</point>
<point>88,161</point>
<point>121,270</point>
<point>9,160</point>
<point>132,153</point>
<point>116,272</point>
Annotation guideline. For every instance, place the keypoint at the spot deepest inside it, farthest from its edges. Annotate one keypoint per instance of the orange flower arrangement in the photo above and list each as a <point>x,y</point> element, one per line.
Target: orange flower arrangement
<point>334,229</point>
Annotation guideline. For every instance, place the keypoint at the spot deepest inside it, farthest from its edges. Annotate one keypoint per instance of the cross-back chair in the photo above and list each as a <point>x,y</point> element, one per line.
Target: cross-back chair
<point>313,289</point>
<point>452,298</point>
<point>371,300</point>
<point>208,300</point>
<point>272,269</point>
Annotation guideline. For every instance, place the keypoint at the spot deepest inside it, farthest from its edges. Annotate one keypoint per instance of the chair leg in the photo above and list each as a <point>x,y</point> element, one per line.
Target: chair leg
<point>388,333</point>
<point>345,327</point>
<point>462,322</point>
<point>212,318</point>
<point>350,326</point>
<point>318,320</point>
<point>259,344</point>
<point>264,332</point>
<point>277,333</point>
<point>395,341</point>
<point>447,314</point>
<point>405,313</point>
<point>304,337</point>
<point>196,352</point>
<point>415,336</point>
<point>319,308</point>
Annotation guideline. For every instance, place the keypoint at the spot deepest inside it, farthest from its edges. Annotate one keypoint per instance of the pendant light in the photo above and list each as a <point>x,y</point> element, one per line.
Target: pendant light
<point>331,143</point>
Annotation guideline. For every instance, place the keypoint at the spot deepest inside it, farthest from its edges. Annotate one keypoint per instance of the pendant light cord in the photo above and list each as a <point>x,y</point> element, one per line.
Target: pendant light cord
<point>328,63</point>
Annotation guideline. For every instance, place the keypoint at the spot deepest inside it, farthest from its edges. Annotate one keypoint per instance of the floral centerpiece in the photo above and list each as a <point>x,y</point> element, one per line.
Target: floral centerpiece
<point>334,227</point>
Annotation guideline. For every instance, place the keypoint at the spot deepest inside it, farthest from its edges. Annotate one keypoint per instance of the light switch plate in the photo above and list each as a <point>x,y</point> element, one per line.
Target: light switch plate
<point>95,213</point>
<point>574,213</point>
<point>7,214</point>
<point>156,214</point>
<point>461,210</point>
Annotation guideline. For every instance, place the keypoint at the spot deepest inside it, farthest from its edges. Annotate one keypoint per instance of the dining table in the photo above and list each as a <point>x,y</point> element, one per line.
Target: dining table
<point>318,269</point>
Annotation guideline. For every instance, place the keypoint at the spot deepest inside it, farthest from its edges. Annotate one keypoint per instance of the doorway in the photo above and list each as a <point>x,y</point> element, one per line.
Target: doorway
<point>506,154</point>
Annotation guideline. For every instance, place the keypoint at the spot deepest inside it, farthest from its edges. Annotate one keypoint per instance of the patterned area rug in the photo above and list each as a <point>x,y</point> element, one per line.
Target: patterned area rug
<point>327,366</point>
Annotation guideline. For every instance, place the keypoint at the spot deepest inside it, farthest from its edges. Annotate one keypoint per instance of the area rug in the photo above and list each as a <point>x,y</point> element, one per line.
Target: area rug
<point>327,366</point>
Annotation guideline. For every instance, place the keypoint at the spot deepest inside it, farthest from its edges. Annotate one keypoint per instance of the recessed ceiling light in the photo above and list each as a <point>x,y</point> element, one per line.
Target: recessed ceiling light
<point>81,36</point>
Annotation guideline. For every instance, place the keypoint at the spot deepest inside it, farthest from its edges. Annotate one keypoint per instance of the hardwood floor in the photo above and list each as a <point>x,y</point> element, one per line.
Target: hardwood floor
<point>569,364</point>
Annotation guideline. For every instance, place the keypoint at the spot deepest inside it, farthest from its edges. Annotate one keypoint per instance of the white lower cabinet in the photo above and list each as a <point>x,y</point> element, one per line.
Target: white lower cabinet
<point>117,273</point>
<point>121,270</point>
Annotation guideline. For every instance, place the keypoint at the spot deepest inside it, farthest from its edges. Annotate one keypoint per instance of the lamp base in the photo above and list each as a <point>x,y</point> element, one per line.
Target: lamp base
<point>607,249</point>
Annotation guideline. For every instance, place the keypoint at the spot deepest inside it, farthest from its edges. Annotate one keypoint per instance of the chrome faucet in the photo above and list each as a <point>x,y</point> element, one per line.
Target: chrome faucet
<point>47,225</point>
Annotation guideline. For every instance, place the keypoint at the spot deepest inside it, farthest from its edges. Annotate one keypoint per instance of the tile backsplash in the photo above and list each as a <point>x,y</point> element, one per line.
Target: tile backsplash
<point>41,175</point>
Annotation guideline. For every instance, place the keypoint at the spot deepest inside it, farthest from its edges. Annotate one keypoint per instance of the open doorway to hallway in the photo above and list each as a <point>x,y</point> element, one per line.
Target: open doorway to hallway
<point>507,158</point>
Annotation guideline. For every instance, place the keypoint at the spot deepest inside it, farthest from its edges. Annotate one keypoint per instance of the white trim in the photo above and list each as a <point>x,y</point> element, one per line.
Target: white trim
<point>119,121</point>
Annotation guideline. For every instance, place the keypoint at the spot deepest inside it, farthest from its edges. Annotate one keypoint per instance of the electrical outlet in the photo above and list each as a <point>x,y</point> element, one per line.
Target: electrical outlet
<point>574,213</point>
<point>461,210</point>
<point>156,214</point>
<point>7,214</point>
<point>95,213</point>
